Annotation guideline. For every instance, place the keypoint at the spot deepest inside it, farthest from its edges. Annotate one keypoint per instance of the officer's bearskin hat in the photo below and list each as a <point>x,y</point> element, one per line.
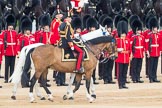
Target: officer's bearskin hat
<point>57,11</point>
<point>0,24</point>
<point>26,24</point>
<point>92,22</point>
<point>45,20</point>
<point>122,27</point>
<point>152,23</point>
<point>107,22</point>
<point>84,20</point>
<point>136,25</point>
<point>76,23</point>
<point>132,18</point>
<point>101,18</point>
<point>117,19</point>
<point>161,21</point>
<point>10,20</point>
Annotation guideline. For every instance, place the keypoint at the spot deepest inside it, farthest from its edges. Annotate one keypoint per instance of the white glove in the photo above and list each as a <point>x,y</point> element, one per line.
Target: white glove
<point>76,36</point>
<point>119,49</point>
<point>148,54</point>
<point>72,48</point>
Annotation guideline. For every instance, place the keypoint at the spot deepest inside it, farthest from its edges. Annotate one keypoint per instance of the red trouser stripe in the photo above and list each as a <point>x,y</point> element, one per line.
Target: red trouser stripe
<point>80,51</point>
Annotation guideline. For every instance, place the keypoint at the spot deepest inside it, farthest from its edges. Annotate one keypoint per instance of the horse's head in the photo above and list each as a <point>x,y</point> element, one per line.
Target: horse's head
<point>111,49</point>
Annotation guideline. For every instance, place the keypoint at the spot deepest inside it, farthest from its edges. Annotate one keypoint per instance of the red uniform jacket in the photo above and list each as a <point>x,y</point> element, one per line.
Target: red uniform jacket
<point>26,40</point>
<point>76,2</point>
<point>130,34</point>
<point>1,48</point>
<point>10,38</point>
<point>54,29</point>
<point>37,36</point>
<point>123,56</point>
<point>46,37</point>
<point>153,44</point>
<point>137,46</point>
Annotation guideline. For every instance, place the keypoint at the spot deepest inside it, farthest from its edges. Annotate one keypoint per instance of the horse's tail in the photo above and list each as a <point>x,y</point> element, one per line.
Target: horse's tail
<point>16,76</point>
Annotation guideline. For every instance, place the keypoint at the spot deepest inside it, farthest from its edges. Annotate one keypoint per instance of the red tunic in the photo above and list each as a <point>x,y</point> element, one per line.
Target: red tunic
<point>26,40</point>
<point>1,48</point>
<point>10,37</point>
<point>123,56</point>
<point>139,46</point>
<point>153,47</point>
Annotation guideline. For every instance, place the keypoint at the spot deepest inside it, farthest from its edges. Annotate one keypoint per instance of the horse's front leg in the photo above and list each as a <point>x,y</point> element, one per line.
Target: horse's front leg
<point>70,94</point>
<point>88,83</point>
<point>38,93</point>
<point>92,87</point>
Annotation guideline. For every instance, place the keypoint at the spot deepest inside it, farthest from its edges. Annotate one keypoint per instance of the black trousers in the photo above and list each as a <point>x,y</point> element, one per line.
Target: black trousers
<point>153,63</point>
<point>9,66</point>
<point>101,70</point>
<point>108,70</point>
<point>136,66</point>
<point>60,78</point>
<point>147,65</point>
<point>25,78</point>
<point>122,73</point>
<point>94,75</point>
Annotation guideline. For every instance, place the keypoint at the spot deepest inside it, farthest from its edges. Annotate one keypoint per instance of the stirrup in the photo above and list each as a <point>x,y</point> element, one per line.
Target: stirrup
<point>81,70</point>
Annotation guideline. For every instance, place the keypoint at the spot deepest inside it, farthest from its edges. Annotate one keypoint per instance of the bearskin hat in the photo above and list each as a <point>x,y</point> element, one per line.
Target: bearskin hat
<point>57,11</point>
<point>92,22</point>
<point>102,17</point>
<point>45,20</point>
<point>132,18</point>
<point>26,24</point>
<point>107,22</point>
<point>21,19</point>
<point>124,19</point>
<point>84,20</point>
<point>136,25</point>
<point>0,24</point>
<point>76,23</point>
<point>161,21</point>
<point>152,23</point>
<point>122,27</point>
<point>10,20</point>
<point>117,19</point>
<point>147,19</point>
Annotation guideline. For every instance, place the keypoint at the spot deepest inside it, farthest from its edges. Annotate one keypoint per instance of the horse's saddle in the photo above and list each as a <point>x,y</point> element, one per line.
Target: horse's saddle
<point>69,55</point>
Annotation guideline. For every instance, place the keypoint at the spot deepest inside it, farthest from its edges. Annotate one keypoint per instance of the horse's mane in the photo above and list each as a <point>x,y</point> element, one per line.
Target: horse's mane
<point>102,39</point>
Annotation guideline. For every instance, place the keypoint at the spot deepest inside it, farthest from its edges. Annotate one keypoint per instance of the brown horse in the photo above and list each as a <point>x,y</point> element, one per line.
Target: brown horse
<point>49,56</point>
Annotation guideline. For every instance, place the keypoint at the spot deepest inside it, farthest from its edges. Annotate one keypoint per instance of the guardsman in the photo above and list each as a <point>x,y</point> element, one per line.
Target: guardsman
<point>84,20</point>
<point>153,47</point>
<point>1,48</point>
<point>115,35</point>
<point>145,33</point>
<point>101,65</point>
<point>137,49</point>
<point>92,25</point>
<point>10,45</point>
<point>123,48</point>
<point>26,39</point>
<point>161,41</point>
<point>67,36</point>
<point>108,66</point>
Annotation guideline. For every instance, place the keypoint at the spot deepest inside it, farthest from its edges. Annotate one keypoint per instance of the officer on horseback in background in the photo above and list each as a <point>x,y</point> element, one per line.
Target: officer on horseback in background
<point>67,36</point>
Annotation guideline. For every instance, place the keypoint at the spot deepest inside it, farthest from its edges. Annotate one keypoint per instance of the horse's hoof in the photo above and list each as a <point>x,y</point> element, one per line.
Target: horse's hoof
<point>13,97</point>
<point>43,98</point>
<point>64,97</point>
<point>50,100</point>
<point>94,96</point>
<point>71,98</point>
<point>91,100</point>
